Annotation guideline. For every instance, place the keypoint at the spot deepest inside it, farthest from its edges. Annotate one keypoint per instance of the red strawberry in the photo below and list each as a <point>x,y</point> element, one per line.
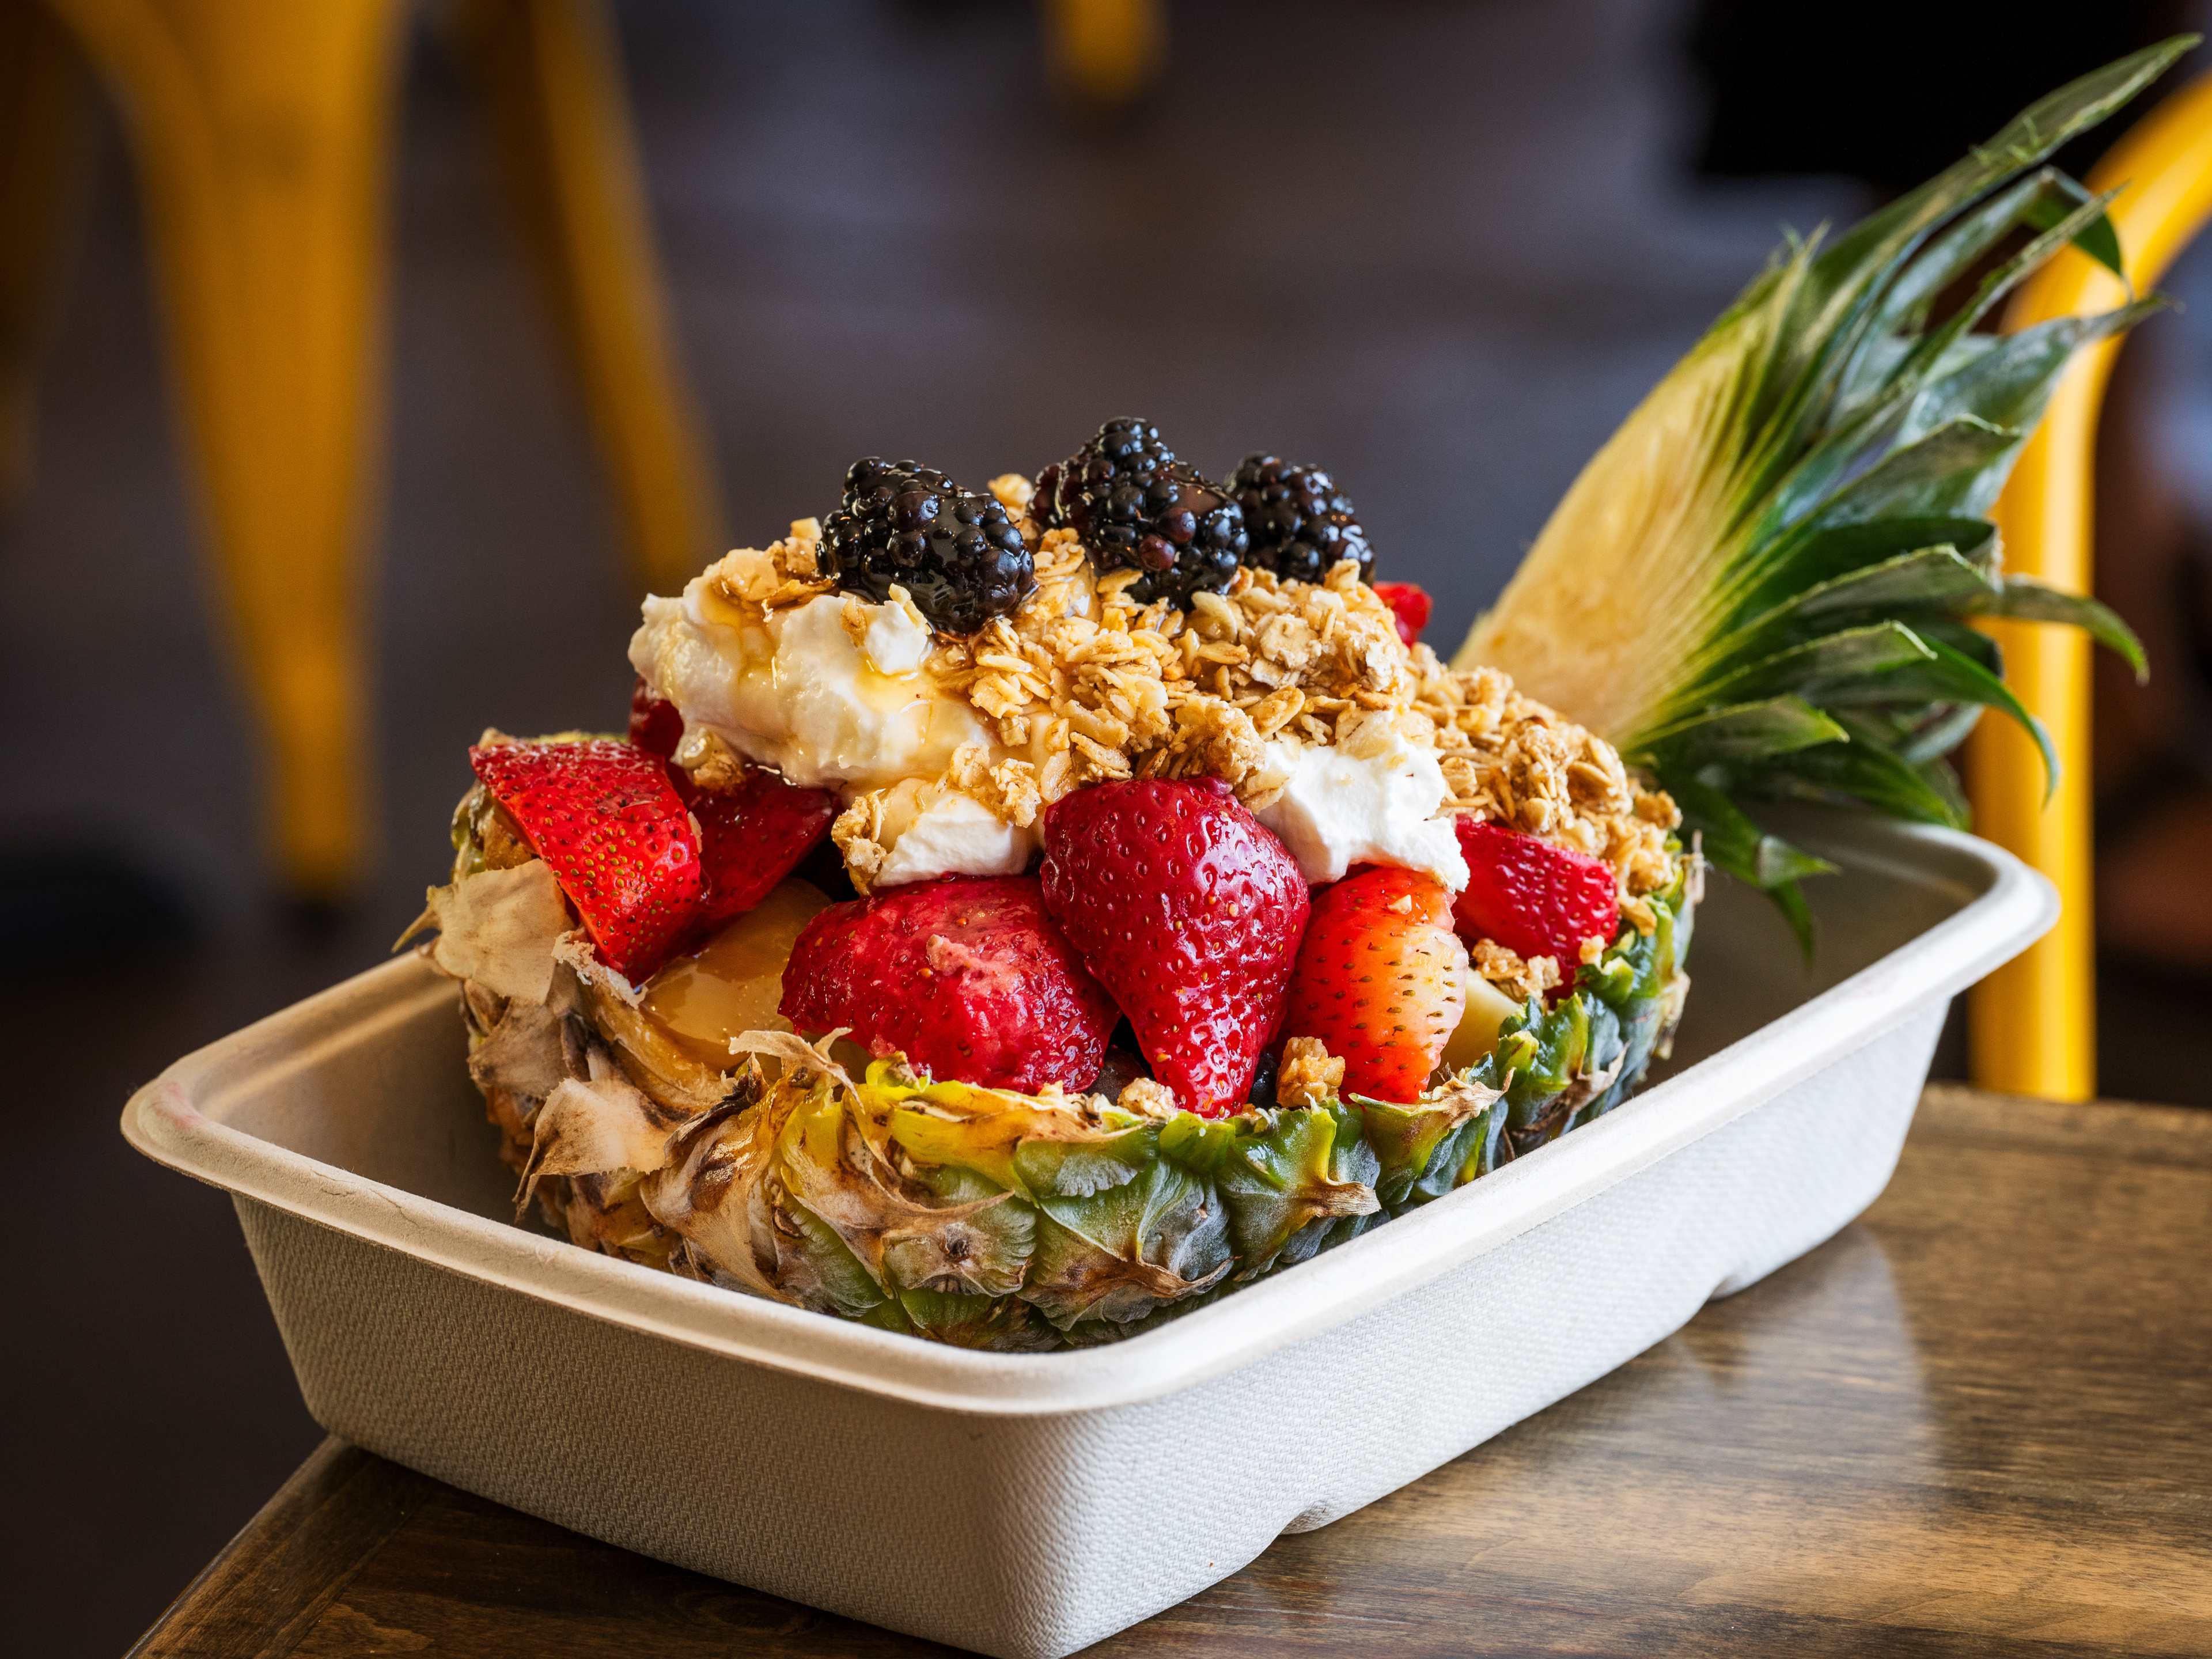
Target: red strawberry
<point>1409,604</point>
<point>607,820</point>
<point>750,835</point>
<point>966,975</point>
<point>1189,912</point>
<point>1534,896</point>
<point>654,722</point>
<point>1382,979</point>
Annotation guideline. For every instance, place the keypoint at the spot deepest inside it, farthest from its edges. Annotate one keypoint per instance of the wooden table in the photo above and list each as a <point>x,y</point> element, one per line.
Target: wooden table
<point>1978,1422</point>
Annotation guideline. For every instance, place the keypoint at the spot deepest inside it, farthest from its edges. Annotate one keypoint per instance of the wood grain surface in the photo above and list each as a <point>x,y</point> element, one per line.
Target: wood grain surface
<point>1978,1422</point>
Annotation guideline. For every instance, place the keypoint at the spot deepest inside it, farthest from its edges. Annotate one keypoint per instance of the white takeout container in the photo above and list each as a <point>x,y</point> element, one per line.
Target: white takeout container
<point>1031,1504</point>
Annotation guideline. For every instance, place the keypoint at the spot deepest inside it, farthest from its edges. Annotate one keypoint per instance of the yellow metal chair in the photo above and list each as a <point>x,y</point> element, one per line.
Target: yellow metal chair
<point>1105,53</point>
<point>2033,1025</point>
<point>262,133</point>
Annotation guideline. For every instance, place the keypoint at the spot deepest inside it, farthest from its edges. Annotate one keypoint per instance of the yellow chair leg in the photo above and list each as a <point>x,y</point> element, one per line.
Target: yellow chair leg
<point>564,130</point>
<point>2033,1024</point>
<point>45,141</point>
<point>1105,51</point>
<point>261,130</point>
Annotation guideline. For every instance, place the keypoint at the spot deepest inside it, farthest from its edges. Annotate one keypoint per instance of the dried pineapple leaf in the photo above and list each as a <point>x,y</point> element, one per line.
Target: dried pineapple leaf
<point>523,1053</point>
<point>710,1193</point>
<point>499,928</point>
<point>796,1053</point>
<point>596,1125</point>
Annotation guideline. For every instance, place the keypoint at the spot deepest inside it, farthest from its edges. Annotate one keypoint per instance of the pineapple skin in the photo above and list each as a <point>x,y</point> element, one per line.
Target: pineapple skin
<point>995,1220</point>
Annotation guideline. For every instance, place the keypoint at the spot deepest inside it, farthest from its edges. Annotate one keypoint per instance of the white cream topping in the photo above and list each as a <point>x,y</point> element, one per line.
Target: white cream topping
<point>791,689</point>
<point>1371,800</point>
<point>832,693</point>
<point>932,829</point>
<point>499,927</point>
<point>897,638</point>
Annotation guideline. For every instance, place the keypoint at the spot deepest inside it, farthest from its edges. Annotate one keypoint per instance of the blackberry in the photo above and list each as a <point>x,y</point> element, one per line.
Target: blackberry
<point>1137,508</point>
<point>1299,521</point>
<point>954,552</point>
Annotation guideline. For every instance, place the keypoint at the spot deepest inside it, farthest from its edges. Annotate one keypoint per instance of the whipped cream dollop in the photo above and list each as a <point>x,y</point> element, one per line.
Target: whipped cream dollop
<point>1372,799</point>
<point>834,692</point>
<point>828,704</point>
<point>934,830</point>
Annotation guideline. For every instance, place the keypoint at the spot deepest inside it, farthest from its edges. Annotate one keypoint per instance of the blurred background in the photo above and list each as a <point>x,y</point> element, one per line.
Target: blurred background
<point>1440,248</point>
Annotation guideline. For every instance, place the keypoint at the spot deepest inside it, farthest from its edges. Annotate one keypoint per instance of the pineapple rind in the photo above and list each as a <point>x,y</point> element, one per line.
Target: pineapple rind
<point>996,1220</point>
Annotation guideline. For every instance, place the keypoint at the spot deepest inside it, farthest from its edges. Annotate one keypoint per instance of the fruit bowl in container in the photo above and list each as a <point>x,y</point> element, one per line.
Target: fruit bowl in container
<point>1030,1504</point>
<point>1066,1041</point>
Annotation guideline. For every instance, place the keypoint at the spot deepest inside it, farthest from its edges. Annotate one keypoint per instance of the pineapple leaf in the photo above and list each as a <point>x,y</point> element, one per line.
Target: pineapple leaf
<point>1841,549</point>
<point>1941,777</point>
<point>1936,732</point>
<point>1831,308</point>
<point>2008,378</point>
<point>2096,238</point>
<point>1863,772</point>
<point>1790,898</point>
<point>1943,473</point>
<point>1744,731</point>
<point>1789,535</point>
<point>2001,282</point>
<point>2026,599</point>
<point>2039,201</point>
<point>1820,666</point>
<point>1950,675</point>
<point>1729,837</point>
<point>1738,845</point>
<point>1934,579</point>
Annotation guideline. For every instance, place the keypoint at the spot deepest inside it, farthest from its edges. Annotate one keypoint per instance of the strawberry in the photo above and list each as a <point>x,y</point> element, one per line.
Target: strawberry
<point>1189,912</point>
<point>1409,604</point>
<point>609,824</point>
<point>1534,896</point>
<point>654,722</point>
<point>1381,979</point>
<point>966,975</point>
<point>750,835</point>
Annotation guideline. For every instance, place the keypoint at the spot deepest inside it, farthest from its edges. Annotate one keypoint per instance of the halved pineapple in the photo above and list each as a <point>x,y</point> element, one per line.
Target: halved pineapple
<point>1759,588</point>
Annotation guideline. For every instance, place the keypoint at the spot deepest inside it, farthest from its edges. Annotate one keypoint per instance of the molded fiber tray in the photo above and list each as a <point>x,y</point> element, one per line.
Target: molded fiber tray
<point>1031,1504</point>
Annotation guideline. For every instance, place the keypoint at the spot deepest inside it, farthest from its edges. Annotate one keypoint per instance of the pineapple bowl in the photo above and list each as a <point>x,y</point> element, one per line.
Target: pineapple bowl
<point>1020,916</point>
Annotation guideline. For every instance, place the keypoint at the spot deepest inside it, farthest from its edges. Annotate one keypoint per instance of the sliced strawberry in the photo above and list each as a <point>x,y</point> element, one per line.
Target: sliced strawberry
<point>617,837</point>
<point>1189,912</point>
<point>654,722</point>
<point>1381,978</point>
<point>1409,604</point>
<point>750,835</point>
<point>967,976</point>
<point>1534,896</point>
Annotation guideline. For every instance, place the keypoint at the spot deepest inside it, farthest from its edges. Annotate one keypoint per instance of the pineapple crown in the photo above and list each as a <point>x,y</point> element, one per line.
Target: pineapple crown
<point>1799,511</point>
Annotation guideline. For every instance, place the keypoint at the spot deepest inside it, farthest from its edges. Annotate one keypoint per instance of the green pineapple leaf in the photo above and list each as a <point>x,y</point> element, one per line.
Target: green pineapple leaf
<point>1762,586</point>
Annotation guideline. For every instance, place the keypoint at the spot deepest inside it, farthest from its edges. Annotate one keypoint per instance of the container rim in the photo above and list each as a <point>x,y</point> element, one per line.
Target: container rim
<point>2010,906</point>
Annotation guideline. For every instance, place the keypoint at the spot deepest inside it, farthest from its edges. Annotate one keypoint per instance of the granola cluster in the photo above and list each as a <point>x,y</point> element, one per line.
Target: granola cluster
<point>1083,685</point>
<point>786,572</point>
<point>1522,977</point>
<point>1512,760</point>
<point>1091,686</point>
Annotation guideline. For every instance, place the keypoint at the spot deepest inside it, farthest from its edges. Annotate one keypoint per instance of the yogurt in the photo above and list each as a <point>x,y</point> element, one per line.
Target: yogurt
<point>1371,800</point>
<point>793,690</point>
